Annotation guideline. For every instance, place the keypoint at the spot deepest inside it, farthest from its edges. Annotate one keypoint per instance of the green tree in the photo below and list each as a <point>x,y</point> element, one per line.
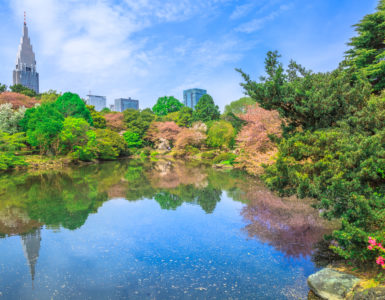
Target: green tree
<point>132,139</point>
<point>50,96</point>
<point>221,134</point>
<point>237,123</point>
<point>42,124</point>
<point>21,89</point>
<point>9,143</point>
<point>70,105</point>
<point>166,105</point>
<point>74,133</point>
<point>367,51</point>
<point>138,121</point>
<point>97,118</point>
<point>182,118</point>
<point>305,99</point>
<point>105,110</point>
<point>240,106</point>
<point>107,144</point>
<point>206,110</point>
<point>3,88</point>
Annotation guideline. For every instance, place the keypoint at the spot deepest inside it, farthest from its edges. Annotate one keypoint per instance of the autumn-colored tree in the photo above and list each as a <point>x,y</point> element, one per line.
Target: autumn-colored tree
<point>115,121</point>
<point>162,130</point>
<point>17,100</point>
<point>253,141</point>
<point>189,136</point>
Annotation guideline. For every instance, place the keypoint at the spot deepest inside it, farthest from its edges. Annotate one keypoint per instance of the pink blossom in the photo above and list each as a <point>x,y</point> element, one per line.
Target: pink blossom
<point>370,247</point>
<point>372,241</point>
<point>380,261</point>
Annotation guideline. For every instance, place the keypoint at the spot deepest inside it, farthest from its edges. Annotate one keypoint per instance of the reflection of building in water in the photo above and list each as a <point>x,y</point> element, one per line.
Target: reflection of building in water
<point>31,246</point>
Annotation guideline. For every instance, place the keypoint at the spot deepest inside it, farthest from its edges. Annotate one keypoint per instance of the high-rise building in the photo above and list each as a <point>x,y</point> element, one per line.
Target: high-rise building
<point>121,104</point>
<point>99,102</point>
<point>192,96</point>
<point>25,71</point>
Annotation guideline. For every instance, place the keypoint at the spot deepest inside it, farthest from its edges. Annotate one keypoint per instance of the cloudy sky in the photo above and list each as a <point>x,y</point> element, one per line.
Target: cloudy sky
<point>150,48</point>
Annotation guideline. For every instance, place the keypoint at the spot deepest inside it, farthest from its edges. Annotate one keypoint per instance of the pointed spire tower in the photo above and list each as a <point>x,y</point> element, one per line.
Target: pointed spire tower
<point>31,248</point>
<point>25,71</point>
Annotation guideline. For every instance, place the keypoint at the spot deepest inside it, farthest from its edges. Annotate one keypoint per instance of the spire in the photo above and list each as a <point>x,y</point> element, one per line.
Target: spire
<point>25,19</point>
<point>31,247</point>
<point>25,55</point>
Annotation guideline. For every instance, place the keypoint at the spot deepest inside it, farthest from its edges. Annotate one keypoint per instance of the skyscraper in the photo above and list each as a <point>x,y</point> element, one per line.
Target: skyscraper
<point>192,96</point>
<point>121,104</point>
<point>99,102</point>
<point>25,71</point>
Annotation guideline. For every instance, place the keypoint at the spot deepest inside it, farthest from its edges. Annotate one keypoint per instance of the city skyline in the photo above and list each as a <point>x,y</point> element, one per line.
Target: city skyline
<point>147,50</point>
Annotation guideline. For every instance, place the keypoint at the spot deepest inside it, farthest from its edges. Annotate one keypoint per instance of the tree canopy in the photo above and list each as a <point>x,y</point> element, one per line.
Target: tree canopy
<point>70,105</point>
<point>166,105</point>
<point>206,110</point>
<point>21,89</point>
<point>239,106</point>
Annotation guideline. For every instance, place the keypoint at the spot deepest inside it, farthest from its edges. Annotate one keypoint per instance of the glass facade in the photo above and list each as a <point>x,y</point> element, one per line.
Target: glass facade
<point>99,102</point>
<point>192,96</point>
<point>121,104</point>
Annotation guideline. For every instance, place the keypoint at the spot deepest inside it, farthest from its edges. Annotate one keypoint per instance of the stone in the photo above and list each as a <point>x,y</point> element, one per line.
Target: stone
<point>376,293</point>
<point>332,285</point>
<point>163,145</point>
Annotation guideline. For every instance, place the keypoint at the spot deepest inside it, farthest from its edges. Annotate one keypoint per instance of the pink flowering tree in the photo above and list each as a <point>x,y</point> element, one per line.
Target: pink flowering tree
<point>375,246</point>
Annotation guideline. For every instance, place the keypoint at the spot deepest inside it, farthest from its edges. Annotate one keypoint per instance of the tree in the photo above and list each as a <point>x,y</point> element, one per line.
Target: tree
<point>50,96</point>
<point>166,105</point>
<point>98,119</point>
<point>206,110</point>
<point>70,105</point>
<point>105,110</point>
<point>237,122</point>
<point>221,134</point>
<point>368,52</point>
<point>182,118</point>
<point>132,139</point>
<point>3,88</point>
<point>107,144</point>
<point>162,130</point>
<point>21,89</point>
<point>138,121</point>
<point>17,100</point>
<point>8,145</point>
<point>189,137</point>
<point>74,133</point>
<point>304,99</point>
<point>115,121</point>
<point>10,118</point>
<point>42,124</point>
<point>240,106</point>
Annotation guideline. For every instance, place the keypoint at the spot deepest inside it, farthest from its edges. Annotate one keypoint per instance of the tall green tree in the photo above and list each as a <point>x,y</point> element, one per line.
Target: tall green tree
<point>74,133</point>
<point>138,121</point>
<point>367,51</point>
<point>70,105</point>
<point>206,110</point>
<point>305,99</point>
<point>166,105</point>
<point>3,87</point>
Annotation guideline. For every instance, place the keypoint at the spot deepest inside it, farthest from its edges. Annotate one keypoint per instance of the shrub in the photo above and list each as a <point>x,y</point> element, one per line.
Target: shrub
<point>74,133</point>
<point>225,157</point>
<point>189,136</point>
<point>132,139</point>
<point>10,118</point>
<point>221,134</point>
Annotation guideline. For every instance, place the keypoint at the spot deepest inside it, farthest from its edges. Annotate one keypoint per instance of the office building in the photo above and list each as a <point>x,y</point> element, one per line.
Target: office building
<point>99,102</point>
<point>192,96</point>
<point>121,104</point>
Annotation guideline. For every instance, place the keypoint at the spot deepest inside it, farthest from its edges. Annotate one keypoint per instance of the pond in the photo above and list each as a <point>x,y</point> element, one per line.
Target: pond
<point>152,230</point>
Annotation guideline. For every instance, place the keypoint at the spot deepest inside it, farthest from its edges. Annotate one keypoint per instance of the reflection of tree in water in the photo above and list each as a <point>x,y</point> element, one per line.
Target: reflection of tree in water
<point>167,200</point>
<point>290,225</point>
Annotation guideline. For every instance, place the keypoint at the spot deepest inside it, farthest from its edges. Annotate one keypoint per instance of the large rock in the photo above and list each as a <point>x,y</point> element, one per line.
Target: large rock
<point>332,285</point>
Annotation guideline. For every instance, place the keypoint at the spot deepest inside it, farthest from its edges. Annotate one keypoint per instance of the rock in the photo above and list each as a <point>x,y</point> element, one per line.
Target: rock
<point>376,293</point>
<point>162,145</point>
<point>332,285</point>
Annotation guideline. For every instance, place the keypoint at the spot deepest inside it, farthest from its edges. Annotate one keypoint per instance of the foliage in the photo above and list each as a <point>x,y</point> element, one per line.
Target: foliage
<point>42,124</point>
<point>17,100</point>
<point>166,105</point>
<point>21,89</point>
<point>162,130</point>
<point>107,144</point>
<point>9,143</point>
<point>367,51</point>
<point>70,105</point>
<point>50,96</point>
<point>221,134</point>
<point>73,134</point>
<point>240,106</point>
<point>138,121</point>
<point>97,118</point>
<point>132,139</point>
<point>308,100</point>
<point>182,118</point>
<point>189,137</point>
<point>3,88</point>
<point>10,118</point>
<point>115,121</point>
<point>225,157</point>
<point>237,122</point>
<point>105,110</point>
<point>206,110</point>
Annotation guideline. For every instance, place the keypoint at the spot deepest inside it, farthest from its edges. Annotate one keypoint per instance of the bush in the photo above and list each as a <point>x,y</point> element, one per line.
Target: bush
<point>73,134</point>
<point>221,134</point>
<point>10,118</point>
<point>225,157</point>
<point>132,139</point>
<point>208,155</point>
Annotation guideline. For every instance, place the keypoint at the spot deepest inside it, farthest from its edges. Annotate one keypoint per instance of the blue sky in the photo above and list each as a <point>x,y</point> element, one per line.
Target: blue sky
<point>150,48</point>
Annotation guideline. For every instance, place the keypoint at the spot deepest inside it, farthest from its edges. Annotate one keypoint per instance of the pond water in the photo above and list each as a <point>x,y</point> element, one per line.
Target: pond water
<point>154,230</point>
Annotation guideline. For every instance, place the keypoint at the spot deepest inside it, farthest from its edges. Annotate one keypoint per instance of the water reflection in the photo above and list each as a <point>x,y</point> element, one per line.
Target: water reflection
<point>66,198</point>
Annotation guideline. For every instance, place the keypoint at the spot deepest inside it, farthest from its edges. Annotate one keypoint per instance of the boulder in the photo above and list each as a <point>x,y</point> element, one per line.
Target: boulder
<point>332,285</point>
